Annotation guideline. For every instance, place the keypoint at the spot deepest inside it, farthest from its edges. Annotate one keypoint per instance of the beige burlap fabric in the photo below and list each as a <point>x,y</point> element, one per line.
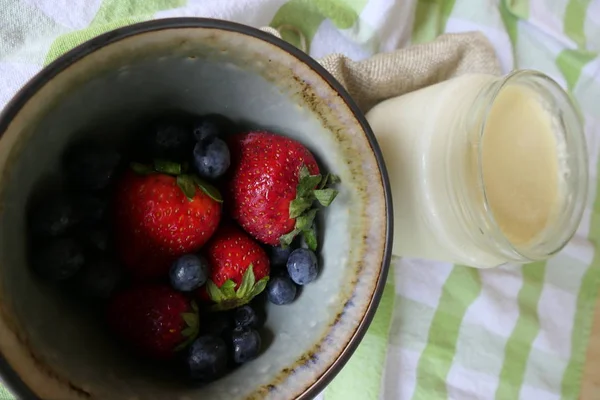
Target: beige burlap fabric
<point>391,74</point>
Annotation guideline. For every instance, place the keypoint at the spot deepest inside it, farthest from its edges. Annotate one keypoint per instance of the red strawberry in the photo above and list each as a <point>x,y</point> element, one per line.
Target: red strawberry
<point>272,187</point>
<point>159,217</point>
<point>155,320</point>
<point>239,268</point>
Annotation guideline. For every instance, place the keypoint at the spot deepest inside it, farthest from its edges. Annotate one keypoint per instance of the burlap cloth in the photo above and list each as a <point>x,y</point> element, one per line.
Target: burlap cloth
<point>391,74</point>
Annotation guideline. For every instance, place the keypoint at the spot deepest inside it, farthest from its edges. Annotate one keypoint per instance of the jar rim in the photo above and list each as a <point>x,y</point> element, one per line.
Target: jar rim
<point>571,127</point>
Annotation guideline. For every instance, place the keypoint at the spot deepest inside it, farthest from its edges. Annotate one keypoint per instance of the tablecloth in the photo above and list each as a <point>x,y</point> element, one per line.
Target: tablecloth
<point>442,331</point>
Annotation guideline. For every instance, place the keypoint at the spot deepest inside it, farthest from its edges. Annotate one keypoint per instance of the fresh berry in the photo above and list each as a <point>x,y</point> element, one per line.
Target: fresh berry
<point>281,290</point>
<point>207,358</point>
<point>154,320</point>
<point>189,272</point>
<point>239,268</point>
<point>53,217</point>
<point>278,255</point>
<point>91,209</point>
<point>213,125</point>
<point>218,323</point>
<point>90,166</point>
<point>96,239</point>
<point>159,217</point>
<point>170,138</point>
<point>246,344</point>
<point>246,316</point>
<point>98,278</point>
<point>58,259</point>
<point>274,182</point>
<point>302,266</point>
<point>211,158</point>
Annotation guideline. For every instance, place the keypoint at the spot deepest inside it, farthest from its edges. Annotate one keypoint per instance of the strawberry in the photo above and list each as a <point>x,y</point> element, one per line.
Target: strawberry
<point>161,216</point>
<point>239,268</point>
<point>154,319</point>
<point>274,181</point>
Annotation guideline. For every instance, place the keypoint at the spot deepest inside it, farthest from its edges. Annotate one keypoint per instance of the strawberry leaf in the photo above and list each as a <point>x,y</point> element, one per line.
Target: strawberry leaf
<point>247,284</point>
<point>310,237</point>
<point>167,167</point>
<point>141,169</point>
<point>191,330</point>
<point>214,292</point>
<point>299,205</point>
<point>259,287</point>
<point>186,184</point>
<point>228,288</point>
<point>209,189</point>
<point>333,179</point>
<point>190,319</point>
<point>306,185</point>
<point>305,221</point>
<point>304,172</point>
<point>288,238</point>
<point>187,332</point>
<point>325,196</point>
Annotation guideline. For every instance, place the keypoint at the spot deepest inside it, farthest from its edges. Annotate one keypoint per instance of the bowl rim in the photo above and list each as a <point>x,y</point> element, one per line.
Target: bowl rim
<point>9,377</point>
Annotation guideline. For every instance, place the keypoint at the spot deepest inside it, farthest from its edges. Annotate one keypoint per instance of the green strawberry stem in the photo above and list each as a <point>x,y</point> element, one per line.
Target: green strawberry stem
<point>186,182</point>
<point>309,188</point>
<point>190,332</point>
<point>227,297</point>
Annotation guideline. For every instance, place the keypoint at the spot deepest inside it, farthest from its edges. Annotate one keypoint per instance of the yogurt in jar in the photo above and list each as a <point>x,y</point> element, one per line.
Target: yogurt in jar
<point>483,169</point>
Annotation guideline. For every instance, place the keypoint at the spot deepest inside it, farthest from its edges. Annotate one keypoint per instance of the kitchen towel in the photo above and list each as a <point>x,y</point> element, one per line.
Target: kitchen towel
<point>442,331</point>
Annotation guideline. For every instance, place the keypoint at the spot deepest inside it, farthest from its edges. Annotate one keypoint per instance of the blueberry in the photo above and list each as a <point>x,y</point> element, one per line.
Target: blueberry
<point>302,266</point>
<point>279,255</point>
<point>91,167</point>
<point>98,278</point>
<point>171,139</point>
<point>53,217</point>
<point>189,272</point>
<point>246,316</point>
<point>213,125</point>
<point>211,158</point>
<point>218,324</point>
<point>246,344</point>
<point>281,290</point>
<point>91,209</point>
<point>207,358</point>
<point>96,239</point>
<point>58,259</point>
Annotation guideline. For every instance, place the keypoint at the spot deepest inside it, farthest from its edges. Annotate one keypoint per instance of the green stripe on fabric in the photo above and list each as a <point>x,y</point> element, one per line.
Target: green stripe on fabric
<point>518,8</point>
<point>518,346</point>
<point>112,14</point>
<point>511,24</point>
<point>459,291</point>
<point>431,17</point>
<point>361,378</point>
<point>307,15</point>
<point>584,315</point>
<point>571,63</point>
<point>574,21</point>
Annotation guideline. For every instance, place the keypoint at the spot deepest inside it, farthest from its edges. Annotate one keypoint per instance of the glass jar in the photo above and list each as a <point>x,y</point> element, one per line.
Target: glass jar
<point>484,169</point>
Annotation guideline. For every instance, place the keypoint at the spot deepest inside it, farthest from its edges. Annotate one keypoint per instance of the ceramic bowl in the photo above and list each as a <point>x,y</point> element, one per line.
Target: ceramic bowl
<point>51,347</point>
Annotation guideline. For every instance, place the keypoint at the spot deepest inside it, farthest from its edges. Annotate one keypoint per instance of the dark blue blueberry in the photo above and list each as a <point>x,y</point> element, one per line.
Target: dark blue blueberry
<point>53,217</point>
<point>189,272</point>
<point>98,278</point>
<point>213,125</point>
<point>278,255</point>
<point>170,139</point>
<point>91,167</point>
<point>246,344</point>
<point>91,209</point>
<point>218,324</point>
<point>96,239</point>
<point>246,316</point>
<point>58,259</point>
<point>211,158</point>
<point>281,290</point>
<point>207,358</point>
<point>302,266</point>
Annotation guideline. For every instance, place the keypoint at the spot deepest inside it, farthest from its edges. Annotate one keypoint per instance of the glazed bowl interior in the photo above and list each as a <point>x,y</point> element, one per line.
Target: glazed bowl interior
<point>104,90</point>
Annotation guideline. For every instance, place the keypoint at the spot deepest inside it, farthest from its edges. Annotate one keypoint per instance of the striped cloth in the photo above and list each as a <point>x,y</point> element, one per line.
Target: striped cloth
<point>442,331</point>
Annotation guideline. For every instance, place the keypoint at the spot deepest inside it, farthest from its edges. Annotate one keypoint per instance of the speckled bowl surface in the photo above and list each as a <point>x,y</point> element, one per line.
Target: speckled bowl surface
<point>51,347</point>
